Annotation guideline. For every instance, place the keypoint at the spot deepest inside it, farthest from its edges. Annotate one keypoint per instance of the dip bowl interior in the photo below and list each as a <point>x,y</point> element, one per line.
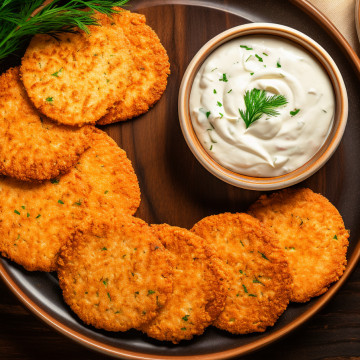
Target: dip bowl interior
<point>324,152</point>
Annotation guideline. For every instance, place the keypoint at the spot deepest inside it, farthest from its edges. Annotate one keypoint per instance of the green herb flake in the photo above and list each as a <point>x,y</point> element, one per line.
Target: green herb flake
<point>214,91</point>
<point>136,293</point>
<point>56,73</point>
<point>251,73</point>
<point>144,312</point>
<point>60,202</point>
<point>77,203</point>
<point>259,58</point>
<point>213,69</point>
<point>248,58</point>
<point>294,112</point>
<point>16,212</point>
<point>208,114</point>
<point>54,181</point>
<point>38,216</point>
<point>335,237</point>
<point>219,104</point>
<point>237,294</point>
<point>109,296</point>
<point>240,271</point>
<point>242,243</point>
<point>23,207</point>
<point>106,191</point>
<point>224,78</point>
<point>258,103</point>
<point>211,147</point>
<point>253,295</point>
<point>246,47</point>
<point>104,248</point>
<point>184,328</point>
<point>257,281</point>
<point>263,255</point>
<point>150,292</point>
<point>245,289</point>
<point>27,214</point>
<point>278,64</point>
<point>50,99</point>
<point>229,91</point>
<point>186,317</point>
<point>221,115</point>
<point>105,282</point>
<point>265,54</point>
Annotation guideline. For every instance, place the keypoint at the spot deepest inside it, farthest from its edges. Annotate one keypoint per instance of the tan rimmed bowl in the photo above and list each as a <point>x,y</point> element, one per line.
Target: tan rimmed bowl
<point>323,154</point>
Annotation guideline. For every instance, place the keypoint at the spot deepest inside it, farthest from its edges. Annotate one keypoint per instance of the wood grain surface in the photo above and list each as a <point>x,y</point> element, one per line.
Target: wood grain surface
<point>177,190</point>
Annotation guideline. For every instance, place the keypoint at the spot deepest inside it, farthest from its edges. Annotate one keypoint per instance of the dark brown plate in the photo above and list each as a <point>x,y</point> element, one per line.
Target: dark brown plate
<point>176,189</point>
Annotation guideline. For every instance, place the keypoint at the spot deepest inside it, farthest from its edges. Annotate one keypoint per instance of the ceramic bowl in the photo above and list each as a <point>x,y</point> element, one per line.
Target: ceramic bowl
<point>323,154</point>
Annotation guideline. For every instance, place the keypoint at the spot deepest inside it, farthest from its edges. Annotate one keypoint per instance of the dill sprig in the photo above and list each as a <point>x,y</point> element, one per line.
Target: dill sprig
<point>20,20</point>
<point>257,104</point>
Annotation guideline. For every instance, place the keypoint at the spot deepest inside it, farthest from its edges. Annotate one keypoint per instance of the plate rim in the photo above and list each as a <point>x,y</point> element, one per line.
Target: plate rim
<point>92,344</point>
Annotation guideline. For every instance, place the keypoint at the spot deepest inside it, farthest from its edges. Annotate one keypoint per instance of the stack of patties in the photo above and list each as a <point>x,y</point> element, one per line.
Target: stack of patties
<point>61,169</point>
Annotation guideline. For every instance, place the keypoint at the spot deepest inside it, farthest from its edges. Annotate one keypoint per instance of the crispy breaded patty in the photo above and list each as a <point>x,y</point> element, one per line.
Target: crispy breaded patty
<point>74,79</point>
<point>31,146</point>
<point>115,273</point>
<point>313,235</point>
<point>37,219</point>
<point>149,71</point>
<point>110,175</point>
<point>259,285</point>
<point>199,287</point>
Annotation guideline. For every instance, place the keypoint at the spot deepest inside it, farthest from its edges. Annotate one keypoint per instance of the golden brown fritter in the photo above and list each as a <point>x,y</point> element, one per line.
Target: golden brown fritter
<point>312,233</point>
<point>259,285</point>
<point>74,79</point>
<point>31,146</point>
<point>37,219</point>
<point>149,71</point>
<point>199,287</point>
<point>115,273</point>
<point>110,175</point>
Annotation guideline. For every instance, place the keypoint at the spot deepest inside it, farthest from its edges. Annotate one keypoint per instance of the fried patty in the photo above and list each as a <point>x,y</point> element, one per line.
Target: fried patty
<point>259,285</point>
<point>115,273</point>
<point>37,219</point>
<point>76,77</point>
<point>150,69</point>
<point>313,235</point>
<point>31,146</point>
<point>199,287</point>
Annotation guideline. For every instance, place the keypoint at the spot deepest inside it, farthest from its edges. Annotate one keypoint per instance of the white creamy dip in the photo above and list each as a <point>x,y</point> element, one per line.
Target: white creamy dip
<point>272,145</point>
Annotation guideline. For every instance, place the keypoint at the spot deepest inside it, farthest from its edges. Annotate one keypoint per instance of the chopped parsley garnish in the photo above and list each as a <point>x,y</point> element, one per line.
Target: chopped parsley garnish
<point>105,282</point>
<point>335,237</point>
<point>54,181</point>
<point>265,54</point>
<point>38,216</point>
<point>23,207</point>
<point>214,91</point>
<point>248,58</point>
<point>257,104</point>
<point>251,73</point>
<point>106,191</point>
<point>294,112</point>
<point>150,292</point>
<point>263,255</point>
<point>246,47</point>
<point>109,296</point>
<point>78,203</point>
<point>245,289</point>
<point>208,114</point>
<point>252,295</point>
<point>136,293</point>
<point>49,99</point>
<point>16,212</point>
<point>104,248</point>
<point>213,69</point>
<point>242,243</point>
<point>278,64</point>
<point>27,214</point>
<point>60,202</point>
<point>184,328</point>
<point>229,91</point>
<point>240,271</point>
<point>186,317</point>
<point>211,147</point>
<point>221,115</point>
<point>259,58</point>
<point>219,103</point>
<point>257,281</point>
<point>56,73</point>
<point>224,78</point>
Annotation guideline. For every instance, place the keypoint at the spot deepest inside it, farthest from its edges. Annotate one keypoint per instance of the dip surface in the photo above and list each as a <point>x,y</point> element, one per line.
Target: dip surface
<point>272,145</point>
